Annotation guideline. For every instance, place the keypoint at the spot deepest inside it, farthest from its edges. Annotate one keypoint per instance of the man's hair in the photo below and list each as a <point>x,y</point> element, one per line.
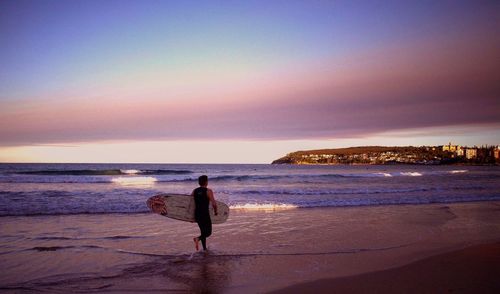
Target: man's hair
<point>203,180</point>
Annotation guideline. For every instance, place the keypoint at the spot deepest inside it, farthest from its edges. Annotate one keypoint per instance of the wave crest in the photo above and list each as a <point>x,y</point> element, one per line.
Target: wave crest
<point>104,172</point>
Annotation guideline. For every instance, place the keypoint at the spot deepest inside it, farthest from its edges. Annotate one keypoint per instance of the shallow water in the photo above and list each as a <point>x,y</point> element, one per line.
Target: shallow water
<point>254,251</point>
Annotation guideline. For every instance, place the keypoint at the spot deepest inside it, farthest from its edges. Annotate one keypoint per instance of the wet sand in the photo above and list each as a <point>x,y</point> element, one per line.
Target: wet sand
<point>253,252</point>
<point>475,269</point>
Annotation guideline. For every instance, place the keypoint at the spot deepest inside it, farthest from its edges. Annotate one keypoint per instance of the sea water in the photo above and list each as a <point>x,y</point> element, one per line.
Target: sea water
<point>59,189</point>
<point>86,227</point>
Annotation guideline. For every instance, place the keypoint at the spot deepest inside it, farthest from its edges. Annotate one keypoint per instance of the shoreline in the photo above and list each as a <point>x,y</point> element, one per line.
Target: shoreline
<point>474,269</point>
<point>253,252</point>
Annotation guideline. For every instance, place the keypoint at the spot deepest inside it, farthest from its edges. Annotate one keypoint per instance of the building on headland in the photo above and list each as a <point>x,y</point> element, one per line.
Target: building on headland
<point>451,148</point>
<point>471,153</point>
<point>455,149</point>
<point>496,153</point>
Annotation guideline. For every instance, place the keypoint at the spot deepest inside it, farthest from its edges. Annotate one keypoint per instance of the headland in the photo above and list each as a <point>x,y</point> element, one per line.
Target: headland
<point>431,155</point>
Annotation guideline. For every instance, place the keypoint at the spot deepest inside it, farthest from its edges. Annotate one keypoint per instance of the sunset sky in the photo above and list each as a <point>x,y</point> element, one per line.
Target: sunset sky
<point>243,81</point>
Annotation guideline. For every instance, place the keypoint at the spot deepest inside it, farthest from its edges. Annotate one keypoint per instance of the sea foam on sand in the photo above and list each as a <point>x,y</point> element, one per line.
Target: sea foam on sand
<point>263,206</point>
<point>254,251</point>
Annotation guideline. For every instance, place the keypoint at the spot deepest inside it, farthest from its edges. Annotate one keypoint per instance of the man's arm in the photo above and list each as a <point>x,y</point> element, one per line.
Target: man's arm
<point>212,200</point>
<point>193,203</point>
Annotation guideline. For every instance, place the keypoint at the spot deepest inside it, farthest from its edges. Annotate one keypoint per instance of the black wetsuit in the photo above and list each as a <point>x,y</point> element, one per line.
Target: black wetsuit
<point>202,214</point>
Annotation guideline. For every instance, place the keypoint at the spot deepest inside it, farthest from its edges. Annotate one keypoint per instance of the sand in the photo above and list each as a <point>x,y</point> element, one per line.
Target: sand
<point>472,270</point>
<point>254,251</point>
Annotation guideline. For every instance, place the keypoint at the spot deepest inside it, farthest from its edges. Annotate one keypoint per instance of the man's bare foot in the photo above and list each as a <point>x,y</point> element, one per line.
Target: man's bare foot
<point>196,243</point>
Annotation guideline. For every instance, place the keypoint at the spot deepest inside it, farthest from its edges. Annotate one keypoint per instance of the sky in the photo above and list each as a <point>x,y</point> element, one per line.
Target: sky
<point>243,81</point>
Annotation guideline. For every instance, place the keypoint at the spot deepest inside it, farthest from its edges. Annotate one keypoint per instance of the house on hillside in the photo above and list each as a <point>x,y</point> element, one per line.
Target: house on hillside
<point>496,152</point>
<point>451,148</point>
<point>471,153</point>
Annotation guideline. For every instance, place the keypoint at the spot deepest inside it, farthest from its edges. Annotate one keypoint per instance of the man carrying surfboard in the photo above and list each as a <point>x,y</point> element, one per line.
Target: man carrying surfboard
<point>203,196</point>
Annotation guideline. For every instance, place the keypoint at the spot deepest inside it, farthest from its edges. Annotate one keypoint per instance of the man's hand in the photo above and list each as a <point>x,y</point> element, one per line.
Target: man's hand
<point>212,200</point>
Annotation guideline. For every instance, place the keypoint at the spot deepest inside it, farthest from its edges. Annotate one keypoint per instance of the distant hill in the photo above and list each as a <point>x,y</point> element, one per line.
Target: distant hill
<point>367,155</point>
<point>358,150</point>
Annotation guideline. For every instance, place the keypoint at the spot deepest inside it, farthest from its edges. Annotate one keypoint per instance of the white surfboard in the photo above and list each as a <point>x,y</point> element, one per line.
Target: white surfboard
<point>181,207</point>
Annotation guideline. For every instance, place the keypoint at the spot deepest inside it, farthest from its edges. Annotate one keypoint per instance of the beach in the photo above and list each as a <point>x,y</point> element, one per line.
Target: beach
<point>471,270</point>
<point>255,251</point>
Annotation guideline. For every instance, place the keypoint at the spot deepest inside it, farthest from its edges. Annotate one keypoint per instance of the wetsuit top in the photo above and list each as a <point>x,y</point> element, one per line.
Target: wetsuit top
<point>201,200</point>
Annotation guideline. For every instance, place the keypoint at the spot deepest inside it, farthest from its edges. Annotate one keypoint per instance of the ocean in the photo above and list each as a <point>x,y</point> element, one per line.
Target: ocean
<point>86,227</point>
<point>60,189</point>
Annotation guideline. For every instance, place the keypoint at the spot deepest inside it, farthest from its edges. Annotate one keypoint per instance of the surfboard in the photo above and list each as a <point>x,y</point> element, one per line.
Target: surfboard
<point>181,207</point>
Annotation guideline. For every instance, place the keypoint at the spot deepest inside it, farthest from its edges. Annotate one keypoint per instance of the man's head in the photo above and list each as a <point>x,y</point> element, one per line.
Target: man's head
<point>203,180</point>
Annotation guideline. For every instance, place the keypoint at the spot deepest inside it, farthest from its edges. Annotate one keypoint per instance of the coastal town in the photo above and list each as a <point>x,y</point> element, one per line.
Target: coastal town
<point>429,155</point>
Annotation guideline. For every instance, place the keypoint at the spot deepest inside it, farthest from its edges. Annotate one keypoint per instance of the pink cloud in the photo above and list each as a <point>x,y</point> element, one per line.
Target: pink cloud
<point>425,83</point>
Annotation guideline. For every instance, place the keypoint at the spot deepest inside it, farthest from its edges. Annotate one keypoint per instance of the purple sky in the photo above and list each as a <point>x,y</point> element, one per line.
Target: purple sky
<point>92,71</point>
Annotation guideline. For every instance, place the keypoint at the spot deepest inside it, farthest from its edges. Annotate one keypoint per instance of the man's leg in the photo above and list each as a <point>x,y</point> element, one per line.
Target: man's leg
<point>196,243</point>
<point>206,231</point>
<point>202,237</point>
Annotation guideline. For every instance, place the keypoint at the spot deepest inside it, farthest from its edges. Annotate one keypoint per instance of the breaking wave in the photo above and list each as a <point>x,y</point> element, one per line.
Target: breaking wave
<point>104,172</point>
<point>133,176</point>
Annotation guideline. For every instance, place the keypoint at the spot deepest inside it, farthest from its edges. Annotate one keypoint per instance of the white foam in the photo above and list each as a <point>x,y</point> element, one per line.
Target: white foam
<point>263,206</point>
<point>134,181</point>
<point>384,174</point>
<point>130,171</point>
<point>411,174</point>
<point>458,171</point>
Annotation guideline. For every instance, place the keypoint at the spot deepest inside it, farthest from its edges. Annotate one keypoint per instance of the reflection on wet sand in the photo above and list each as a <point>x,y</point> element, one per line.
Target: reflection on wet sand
<point>201,273</point>
<point>198,273</point>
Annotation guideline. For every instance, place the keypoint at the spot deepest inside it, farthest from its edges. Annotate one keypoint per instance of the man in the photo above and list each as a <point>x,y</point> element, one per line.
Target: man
<point>202,198</point>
